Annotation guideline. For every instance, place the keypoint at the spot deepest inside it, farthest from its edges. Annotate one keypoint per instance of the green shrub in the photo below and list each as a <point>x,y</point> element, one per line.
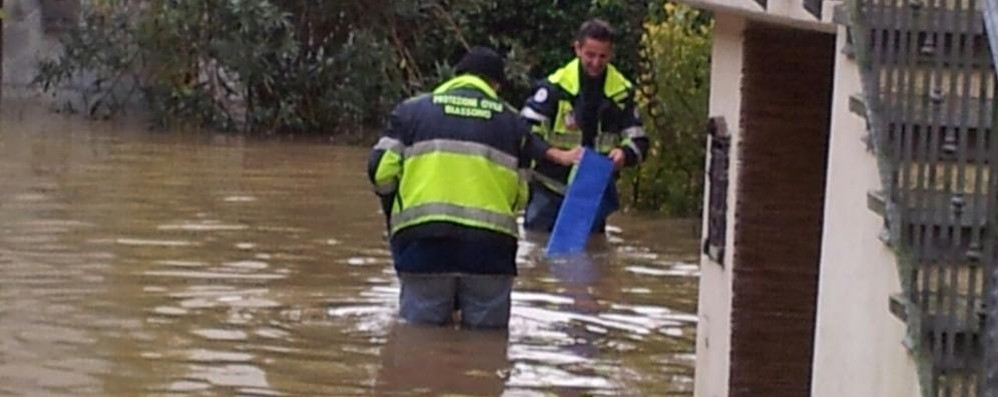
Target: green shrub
<point>337,67</point>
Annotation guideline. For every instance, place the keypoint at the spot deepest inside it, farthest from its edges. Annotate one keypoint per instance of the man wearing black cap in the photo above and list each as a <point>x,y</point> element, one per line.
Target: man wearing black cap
<point>448,172</point>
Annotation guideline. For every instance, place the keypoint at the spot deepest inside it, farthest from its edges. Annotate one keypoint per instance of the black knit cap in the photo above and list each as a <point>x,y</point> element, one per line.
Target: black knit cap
<point>483,62</point>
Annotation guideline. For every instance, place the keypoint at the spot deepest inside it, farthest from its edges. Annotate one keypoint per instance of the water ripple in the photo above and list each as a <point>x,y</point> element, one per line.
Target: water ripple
<point>202,264</point>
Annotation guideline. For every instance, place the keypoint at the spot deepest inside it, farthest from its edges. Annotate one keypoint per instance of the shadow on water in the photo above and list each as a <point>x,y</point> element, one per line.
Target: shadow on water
<point>136,263</point>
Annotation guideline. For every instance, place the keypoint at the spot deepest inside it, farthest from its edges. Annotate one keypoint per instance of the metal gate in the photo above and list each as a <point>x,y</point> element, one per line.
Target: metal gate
<point>929,99</point>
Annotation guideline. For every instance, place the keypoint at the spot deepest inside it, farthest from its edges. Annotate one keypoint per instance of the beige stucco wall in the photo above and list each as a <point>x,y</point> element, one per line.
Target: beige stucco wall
<point>714,328</point>
<point>781,12</point>
<point>858,350</point>
<point>787,9</point>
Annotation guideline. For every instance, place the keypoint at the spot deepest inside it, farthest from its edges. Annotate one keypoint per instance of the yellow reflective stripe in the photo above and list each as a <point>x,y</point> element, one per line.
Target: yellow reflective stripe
<point>523,194</point>
<point>606,142</point>
<point>567,140</point>
<point>549,182</point>
<point>524,174</point>
<point>466,80</point>
<point>470,181</point>
<point>387,187</point>
<point>388,171</point>
<point>631,134</point>
<point>634,132</point>
<point>392,144</point>
<point>463,147</point>
<point>475,217</point>
<point>560,123</point>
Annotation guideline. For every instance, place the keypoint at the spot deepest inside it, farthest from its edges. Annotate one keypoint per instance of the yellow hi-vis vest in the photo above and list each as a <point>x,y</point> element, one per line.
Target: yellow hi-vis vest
<point>461,181</point>
<point>562,132</point>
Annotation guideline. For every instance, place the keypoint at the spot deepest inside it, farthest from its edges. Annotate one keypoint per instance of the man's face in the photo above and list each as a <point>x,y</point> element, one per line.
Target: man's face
<point>594,54</point>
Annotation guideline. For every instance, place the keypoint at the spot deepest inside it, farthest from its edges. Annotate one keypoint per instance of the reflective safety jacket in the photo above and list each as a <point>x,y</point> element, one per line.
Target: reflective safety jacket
<point>449,164</point>
<point>553,111</point>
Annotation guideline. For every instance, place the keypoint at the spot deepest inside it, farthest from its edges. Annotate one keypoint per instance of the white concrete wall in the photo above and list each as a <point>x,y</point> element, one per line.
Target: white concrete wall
<point>714,328</point>
<point>780,12</point>
<point>731,5</point>
<point>794,9</point>
<point>858,350</point>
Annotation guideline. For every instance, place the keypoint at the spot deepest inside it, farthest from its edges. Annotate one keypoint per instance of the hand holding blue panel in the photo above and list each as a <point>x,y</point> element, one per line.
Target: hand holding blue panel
<point>581,204</point>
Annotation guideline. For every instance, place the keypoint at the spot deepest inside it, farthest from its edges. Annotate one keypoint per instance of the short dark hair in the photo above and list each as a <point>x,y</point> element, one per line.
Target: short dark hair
<point>596,29</point>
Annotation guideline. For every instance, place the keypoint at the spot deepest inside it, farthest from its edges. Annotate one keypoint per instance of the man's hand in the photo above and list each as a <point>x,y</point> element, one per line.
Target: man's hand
<point>617,156</point>
<point>564,157</point>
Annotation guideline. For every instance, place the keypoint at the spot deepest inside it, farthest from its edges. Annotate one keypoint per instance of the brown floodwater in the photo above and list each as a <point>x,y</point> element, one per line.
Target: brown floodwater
<point>192,263</point>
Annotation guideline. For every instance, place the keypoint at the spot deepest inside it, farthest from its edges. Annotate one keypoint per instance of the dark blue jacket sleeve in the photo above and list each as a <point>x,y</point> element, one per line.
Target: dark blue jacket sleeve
<point>635,143</point>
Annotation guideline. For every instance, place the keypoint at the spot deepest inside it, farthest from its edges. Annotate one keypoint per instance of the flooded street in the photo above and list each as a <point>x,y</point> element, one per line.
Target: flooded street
<point>144,263</point>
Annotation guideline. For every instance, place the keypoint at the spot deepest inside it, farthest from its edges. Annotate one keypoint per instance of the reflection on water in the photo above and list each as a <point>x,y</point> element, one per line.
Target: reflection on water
<point>136,263</point>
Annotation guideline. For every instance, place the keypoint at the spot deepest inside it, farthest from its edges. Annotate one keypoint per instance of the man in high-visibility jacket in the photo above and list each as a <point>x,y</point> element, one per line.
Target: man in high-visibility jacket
<point>450,172</point>
<point>588,103</point>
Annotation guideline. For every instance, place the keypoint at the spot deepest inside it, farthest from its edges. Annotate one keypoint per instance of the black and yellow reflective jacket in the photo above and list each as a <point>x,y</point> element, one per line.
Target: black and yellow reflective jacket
<point>553,111</point>
<point>451,163</point>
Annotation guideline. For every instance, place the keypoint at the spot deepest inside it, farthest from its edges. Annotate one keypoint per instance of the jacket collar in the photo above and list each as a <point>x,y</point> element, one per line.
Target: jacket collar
<point>466,81</point>
<point>569,79</point>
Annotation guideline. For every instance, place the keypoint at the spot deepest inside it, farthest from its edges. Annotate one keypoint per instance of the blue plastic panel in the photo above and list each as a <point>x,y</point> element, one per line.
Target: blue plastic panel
<point>581,205</point>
